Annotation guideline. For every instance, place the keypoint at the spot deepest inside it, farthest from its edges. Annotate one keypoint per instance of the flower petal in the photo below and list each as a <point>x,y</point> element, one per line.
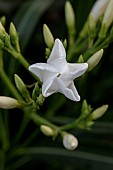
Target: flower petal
<point>43,71</point>
<point>46,88</point>
<point>76,70</point>
<point>58,86</point>
<point>58,56</point>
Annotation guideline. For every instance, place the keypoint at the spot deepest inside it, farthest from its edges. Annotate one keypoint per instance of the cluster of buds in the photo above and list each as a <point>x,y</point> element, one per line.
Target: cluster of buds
<point>9,42</point>
<point>70,142</point>
<point>88,115</point>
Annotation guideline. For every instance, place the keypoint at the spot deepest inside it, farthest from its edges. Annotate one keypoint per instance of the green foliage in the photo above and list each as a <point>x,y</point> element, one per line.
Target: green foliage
<point>22,146</point>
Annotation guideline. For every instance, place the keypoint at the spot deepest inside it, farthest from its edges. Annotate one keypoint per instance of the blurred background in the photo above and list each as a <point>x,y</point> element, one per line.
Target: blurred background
<point>95,150</point>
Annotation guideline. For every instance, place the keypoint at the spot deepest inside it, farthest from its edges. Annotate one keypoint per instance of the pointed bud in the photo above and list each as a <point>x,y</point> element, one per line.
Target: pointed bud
<point>107,19</point>
<point>99,112</point>
<point>46,130</point>
<point>70,18</point>
<point>47,52</point>
<point>80,59</point>
<point>48,37</point>
<point>70,142</point>
<point>14,37</point>
<point>3,20</point>
<point>22,88</point>
<point>94,59</point>
<point>35,91</point>
<point>9,103</point>
<point>99,8</point>
<point>2,29</point>
<point>40,100</point>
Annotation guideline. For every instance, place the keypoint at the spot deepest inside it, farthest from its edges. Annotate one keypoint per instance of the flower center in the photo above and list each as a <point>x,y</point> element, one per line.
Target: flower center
<point>59,75</point>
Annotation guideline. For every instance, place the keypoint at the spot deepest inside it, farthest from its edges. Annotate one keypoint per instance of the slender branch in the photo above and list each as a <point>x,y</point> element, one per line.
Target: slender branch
<point>10,85</point>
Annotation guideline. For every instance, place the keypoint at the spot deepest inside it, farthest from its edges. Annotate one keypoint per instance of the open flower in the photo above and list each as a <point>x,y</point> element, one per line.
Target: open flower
<point>57,75</point>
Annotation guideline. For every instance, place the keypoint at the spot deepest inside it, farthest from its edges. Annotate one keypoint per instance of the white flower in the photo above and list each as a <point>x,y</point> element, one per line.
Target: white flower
<point>70,142</point>
<point>57,75</point>
<point>99,8</point>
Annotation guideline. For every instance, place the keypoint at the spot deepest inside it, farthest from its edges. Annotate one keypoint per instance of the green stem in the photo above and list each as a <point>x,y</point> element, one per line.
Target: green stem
<point>3,134</point>
<point>41,121</point>
<point>70,126</point>
<point>22,60</point>
<point>10,85</point>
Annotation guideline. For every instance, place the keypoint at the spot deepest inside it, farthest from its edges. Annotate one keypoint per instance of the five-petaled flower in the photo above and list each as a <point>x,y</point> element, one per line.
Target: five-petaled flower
<point>57,75</point>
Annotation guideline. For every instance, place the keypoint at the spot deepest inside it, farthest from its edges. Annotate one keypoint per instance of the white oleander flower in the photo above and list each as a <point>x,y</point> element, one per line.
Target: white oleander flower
<point>57,75</point>
<point>70,142</point>
<point>99,8</point>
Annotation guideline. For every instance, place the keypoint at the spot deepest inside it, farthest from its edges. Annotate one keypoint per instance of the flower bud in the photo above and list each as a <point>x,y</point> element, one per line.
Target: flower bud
<point>69,16</point>
<point>14,37</point>
<point>40,100</point>
<point>9,103</point>
<point>22,88</point>
<point>46,130</point>
<point>47,52</point>
<point>2,29</point>
<point>80,59</point>
<point>107,19</point>
<point>99,112</point>
<point>70,142</point>
<point>35,91</point>
<point>48,37</point>
<point>94,59</point>
<point>3,20</point>
<point>99,8</point>
<point>92,25</point>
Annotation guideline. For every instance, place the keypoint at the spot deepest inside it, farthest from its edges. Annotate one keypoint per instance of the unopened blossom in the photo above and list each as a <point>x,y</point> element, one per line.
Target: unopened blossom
<point>9,103</point>
<point>99,8</point>
<point>57,75</point>
<point>70,142</point>
<point>108,16</point>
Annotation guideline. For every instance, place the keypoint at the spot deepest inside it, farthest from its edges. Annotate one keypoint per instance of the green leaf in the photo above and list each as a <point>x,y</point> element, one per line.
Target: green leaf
<point>27,18</point>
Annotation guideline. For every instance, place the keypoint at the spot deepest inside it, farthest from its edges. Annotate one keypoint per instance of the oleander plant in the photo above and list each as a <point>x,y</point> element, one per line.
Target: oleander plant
<point>56,92</point>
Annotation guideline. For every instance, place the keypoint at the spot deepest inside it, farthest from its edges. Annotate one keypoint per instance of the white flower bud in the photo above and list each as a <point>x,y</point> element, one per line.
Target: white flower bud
<point>94,59</point>
<point>108,16</point>
<point>9,103</point>
<point>99,8</point>
<point>48,37</point>
<point>70,142</point>
<point>107,19</point>
<point>99,112</point>
<point>46,130</point>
